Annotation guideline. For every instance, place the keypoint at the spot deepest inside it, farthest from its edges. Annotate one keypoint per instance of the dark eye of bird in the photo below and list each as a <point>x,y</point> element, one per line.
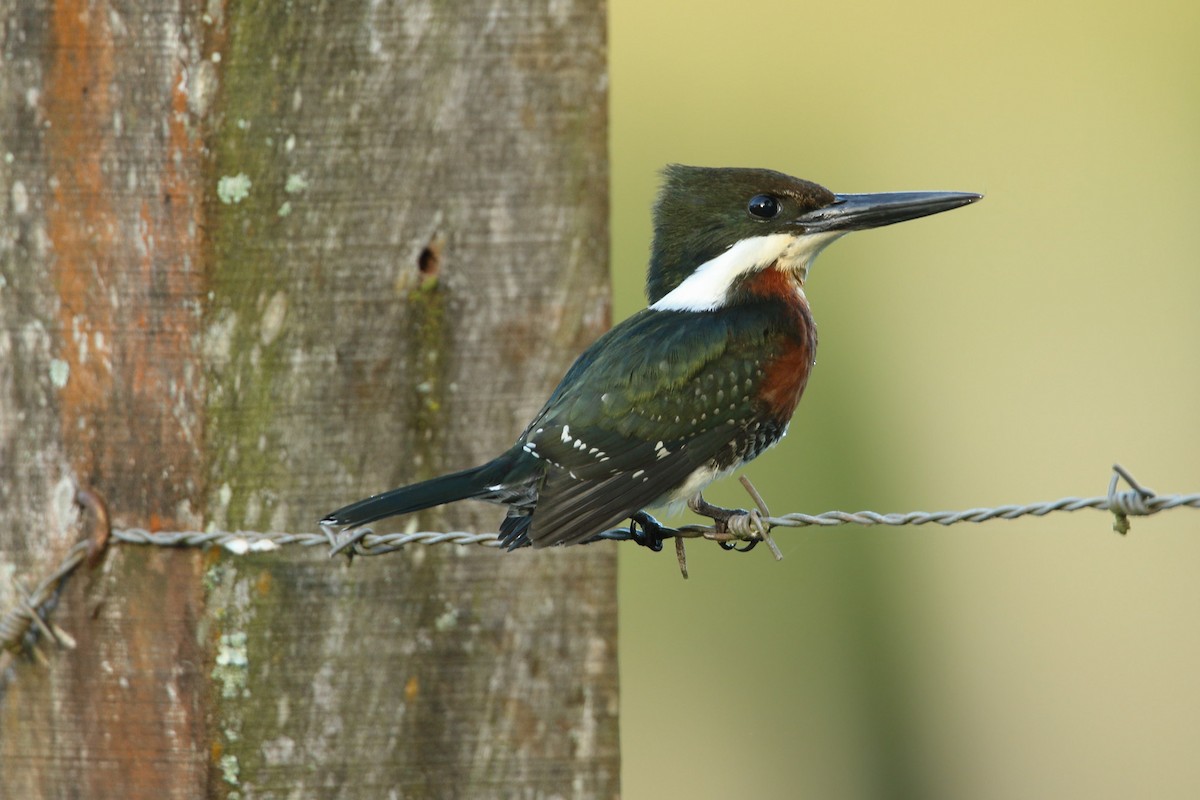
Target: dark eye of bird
<point>763,206</point>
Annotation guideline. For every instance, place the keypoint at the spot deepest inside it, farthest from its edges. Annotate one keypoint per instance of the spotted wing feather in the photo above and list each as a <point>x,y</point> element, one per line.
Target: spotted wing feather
<point>572,509</point>
<point>645,420</point>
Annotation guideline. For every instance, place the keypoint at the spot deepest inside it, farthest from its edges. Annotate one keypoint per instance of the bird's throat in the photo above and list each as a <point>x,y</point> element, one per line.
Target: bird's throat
<point>798,256</point>
<point>718,281</point>
<point>774,282</point>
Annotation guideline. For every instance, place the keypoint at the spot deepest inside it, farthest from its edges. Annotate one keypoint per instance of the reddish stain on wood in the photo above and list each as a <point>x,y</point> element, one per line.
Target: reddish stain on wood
<point>138,680</point>
<point>124,223</point>
<point>81,221</point>
<point>123,219</point>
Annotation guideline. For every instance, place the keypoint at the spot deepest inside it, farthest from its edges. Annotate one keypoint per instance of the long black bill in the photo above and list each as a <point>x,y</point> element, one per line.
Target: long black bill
<point>856,212</point>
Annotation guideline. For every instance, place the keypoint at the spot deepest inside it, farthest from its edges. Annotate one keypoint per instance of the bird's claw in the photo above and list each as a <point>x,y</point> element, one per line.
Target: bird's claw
<point>732,546</point>
<point>720,517</point>
<point>652,532</point>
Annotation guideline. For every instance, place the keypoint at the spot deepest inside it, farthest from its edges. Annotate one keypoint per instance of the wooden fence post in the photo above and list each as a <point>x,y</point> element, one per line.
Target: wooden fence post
<point>257,260</point>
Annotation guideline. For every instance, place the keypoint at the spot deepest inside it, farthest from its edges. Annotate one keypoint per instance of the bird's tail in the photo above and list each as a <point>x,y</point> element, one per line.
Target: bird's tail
<point>470,483</point>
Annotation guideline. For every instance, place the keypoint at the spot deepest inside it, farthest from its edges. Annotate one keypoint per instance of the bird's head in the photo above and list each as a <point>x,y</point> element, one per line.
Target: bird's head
<point>715,226</point>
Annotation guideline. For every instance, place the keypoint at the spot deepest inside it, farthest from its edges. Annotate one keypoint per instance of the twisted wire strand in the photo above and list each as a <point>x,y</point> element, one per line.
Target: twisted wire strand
<point>1138,507</point>
<point>1137,501</point>
<point>366,541</point>
<point>19,624</point>
<point>240,542</point>
<point>1124,504</point>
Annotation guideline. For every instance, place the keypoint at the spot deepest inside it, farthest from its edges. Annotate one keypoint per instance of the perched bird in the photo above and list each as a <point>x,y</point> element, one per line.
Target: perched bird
<point>686,390</point>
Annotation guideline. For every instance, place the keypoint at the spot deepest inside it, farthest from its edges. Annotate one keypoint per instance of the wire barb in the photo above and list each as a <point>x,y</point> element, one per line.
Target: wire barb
<point>30,615</point>
<point>1126,504</point>
<point>760,527</point>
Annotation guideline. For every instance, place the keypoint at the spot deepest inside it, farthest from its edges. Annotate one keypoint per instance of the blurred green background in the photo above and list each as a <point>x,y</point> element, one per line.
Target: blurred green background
<point>1003,353</point>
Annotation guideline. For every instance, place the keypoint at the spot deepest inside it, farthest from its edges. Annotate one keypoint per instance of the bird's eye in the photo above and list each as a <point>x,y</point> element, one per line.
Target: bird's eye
<point>763,206</point>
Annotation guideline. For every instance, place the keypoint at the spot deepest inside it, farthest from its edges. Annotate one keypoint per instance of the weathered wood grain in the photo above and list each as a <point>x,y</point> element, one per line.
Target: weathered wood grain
<point>256,260</point>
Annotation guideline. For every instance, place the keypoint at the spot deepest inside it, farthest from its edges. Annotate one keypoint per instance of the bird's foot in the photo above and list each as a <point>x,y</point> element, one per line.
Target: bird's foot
<point>721,518</point>
<point>652,531</point>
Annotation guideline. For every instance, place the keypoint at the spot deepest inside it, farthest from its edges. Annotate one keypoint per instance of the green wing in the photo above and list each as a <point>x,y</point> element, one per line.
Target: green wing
<point>638,413</point>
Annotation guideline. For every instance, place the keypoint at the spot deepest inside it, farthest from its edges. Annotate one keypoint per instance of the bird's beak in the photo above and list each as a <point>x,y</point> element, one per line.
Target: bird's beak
<point>856,212</point>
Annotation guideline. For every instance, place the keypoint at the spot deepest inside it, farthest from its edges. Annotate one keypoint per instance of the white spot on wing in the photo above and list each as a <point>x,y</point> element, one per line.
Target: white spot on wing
<point>566,434</point>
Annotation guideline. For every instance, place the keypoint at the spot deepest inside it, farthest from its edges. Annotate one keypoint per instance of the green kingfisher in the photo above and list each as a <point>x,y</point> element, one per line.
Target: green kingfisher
<point>688,389</point>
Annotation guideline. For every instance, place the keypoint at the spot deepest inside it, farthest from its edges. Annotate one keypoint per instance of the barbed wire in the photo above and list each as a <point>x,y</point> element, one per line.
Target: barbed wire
<point>20,625</point>
<point>30,616</point>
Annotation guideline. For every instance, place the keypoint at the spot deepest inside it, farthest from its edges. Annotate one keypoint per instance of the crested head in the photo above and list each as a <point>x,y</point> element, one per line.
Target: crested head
<point>716,227</point>
<point>702,212</point>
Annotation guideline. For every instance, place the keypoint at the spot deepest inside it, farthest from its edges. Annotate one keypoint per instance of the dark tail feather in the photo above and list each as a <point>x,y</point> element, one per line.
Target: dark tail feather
<point>514,530</point>
<point>463,485</point>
